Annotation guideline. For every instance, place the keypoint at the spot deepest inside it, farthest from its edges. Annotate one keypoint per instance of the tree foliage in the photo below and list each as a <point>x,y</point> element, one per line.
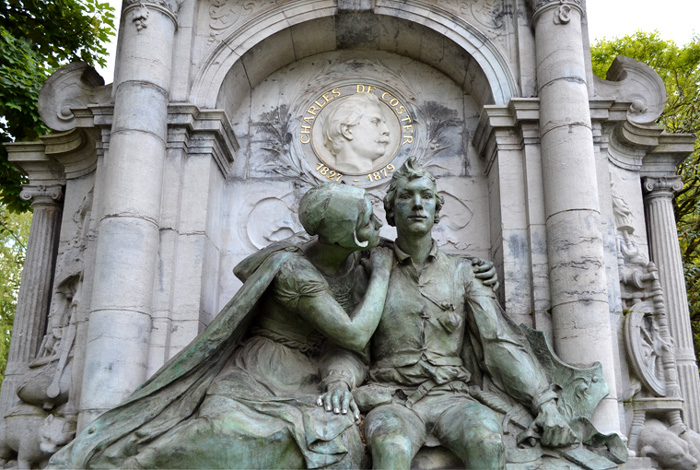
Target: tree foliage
<point>679,68</point>
<point>36,38</point>
<point>14,235</point>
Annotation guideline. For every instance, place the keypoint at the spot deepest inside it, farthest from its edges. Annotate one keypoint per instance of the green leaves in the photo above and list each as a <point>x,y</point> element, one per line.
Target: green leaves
<point>36,38</point>
<point>679,67</point>
<point>14,235</point>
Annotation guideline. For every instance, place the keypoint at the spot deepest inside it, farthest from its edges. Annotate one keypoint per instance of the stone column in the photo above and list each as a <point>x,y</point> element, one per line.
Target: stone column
<point>35,289</point>
<point>37,275</point>
<point>666,254</point>
<point>128,231</point>
<point>581,325</point>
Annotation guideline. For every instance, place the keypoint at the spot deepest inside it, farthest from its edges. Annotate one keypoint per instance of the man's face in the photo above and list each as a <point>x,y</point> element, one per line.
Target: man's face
<point>370,136</point>
<point>414,206</point>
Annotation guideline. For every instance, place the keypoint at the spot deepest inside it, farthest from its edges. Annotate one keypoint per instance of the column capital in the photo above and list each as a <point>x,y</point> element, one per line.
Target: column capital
<point>42,194</point>
<point>664,186</point>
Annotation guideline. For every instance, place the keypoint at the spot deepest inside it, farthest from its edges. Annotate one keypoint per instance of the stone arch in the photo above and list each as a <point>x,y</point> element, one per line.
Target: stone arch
<point>467,55</point>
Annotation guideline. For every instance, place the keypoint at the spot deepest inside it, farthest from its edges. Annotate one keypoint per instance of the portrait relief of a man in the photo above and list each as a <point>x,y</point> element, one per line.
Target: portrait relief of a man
<point>356,135</point>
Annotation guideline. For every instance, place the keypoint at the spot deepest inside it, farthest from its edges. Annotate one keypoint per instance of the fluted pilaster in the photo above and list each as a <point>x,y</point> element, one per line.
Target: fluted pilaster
<point>666,254</point>
<point>35,289</point>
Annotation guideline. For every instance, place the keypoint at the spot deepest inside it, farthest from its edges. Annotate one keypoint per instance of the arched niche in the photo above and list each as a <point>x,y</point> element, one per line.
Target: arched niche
<point>279,38</point>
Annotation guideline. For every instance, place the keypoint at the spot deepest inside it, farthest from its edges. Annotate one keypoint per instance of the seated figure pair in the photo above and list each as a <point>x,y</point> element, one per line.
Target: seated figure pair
<point>407,324</point>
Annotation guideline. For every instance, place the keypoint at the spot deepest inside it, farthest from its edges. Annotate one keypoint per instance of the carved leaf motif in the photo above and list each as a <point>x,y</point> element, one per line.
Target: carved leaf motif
<point>273,137</point>
<point>488,13</point>
<point>225,14</point>
<point>445,134</point>
<point>455,5</point>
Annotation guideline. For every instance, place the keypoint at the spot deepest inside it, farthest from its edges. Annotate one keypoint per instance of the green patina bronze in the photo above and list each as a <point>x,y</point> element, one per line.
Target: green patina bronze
<point>410,336</point>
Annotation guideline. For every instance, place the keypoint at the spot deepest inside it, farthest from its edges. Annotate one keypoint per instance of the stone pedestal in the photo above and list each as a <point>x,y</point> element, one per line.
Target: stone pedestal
<point>665,253</point>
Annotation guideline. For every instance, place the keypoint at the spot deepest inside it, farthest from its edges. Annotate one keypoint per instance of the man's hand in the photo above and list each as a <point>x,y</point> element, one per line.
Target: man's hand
<point>555,430</point>
<point>339,401</point>
<point>486,272</point>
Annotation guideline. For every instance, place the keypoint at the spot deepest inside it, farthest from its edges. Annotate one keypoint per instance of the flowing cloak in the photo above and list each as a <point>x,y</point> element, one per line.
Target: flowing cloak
<point>174,393</point>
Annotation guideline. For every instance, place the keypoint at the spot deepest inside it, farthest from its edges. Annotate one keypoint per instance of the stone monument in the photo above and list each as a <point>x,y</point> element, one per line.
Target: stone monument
<point>224,113</point>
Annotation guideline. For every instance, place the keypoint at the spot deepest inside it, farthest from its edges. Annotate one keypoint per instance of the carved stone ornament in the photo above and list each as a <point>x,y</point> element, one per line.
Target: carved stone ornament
<point>138,10</point>
<point>355,131</point>
<point>646,346</point>
<point>139,16</point>
<point>355,123</point>
<point>539,4</point>
<point>40,193</point>
<point>75,85</point>
<point>669,185</point>
<point>173,6</point>
<point>629,80</point>
<point>488,13</point>
<point>671,447</point>
<point>563,14</point>
<point>225,14</point>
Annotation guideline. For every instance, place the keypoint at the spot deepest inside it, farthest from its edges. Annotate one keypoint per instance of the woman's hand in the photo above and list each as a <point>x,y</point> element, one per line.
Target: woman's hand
<point>339,400</point>
<point>381,259</point>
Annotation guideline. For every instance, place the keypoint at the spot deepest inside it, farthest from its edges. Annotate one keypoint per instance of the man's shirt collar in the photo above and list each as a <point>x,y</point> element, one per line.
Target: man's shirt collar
<point>402,256</point>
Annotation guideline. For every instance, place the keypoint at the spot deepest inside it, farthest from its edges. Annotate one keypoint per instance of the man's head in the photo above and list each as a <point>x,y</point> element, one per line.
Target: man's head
<point>356,128</point>
<point>412,203</point>
<point>340,214</point>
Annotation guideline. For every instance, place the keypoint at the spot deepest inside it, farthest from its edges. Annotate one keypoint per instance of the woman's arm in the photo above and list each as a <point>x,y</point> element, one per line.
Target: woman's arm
<point>352,332</point>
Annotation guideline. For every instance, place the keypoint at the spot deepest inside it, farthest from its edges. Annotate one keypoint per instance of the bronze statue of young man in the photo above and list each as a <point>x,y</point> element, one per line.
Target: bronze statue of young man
<point>440,325</point>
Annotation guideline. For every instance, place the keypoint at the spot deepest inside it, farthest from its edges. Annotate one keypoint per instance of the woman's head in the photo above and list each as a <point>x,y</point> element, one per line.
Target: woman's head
<point>340,214</point>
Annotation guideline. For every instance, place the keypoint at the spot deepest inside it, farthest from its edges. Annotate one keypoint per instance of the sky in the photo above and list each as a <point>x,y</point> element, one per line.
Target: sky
<point>675,20</point>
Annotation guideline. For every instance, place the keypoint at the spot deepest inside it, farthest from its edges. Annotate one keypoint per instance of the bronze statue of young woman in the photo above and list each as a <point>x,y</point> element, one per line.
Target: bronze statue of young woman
<point>243,393</point>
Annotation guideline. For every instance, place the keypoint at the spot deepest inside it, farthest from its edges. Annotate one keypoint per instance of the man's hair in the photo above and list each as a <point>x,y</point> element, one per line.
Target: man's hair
<point>410,170</point>
<point>348,113</point>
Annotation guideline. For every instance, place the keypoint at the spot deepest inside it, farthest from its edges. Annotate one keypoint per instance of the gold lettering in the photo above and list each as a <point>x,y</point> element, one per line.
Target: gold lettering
<point>384,96</point>
<point>360,89</point>
<point>319,104</point>
<point>313,110</point>
<point>325,97</point>
<point>400,110</point>
<point>305,139</point>
<point>335,91</point>
<point>309,119</point>
<point>408,139</point>
<point>408,128</point>
<point>305,129</point>
<point>407,118</point>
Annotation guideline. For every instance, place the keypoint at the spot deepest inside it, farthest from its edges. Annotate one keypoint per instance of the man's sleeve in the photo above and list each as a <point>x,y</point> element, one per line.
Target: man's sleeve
<point>502,349</point>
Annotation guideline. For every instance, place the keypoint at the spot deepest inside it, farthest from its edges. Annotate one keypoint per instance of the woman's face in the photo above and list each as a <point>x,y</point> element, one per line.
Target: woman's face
<point>368,225</point>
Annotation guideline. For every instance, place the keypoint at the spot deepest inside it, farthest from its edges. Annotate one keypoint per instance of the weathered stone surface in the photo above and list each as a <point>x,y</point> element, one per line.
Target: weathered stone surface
<point>195,158</point>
